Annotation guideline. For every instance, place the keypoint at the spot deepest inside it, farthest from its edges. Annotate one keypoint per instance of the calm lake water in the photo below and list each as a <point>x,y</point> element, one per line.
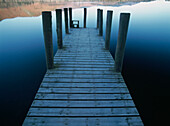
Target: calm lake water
<point>146,68</point>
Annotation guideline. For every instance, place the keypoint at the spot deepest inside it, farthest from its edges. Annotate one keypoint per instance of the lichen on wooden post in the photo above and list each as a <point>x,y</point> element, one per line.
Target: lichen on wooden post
<point>120,49</point>
<point>59,28</point>
<point>47,30</point>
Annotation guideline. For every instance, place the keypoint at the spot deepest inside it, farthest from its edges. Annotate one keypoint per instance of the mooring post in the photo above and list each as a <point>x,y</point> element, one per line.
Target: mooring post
<point>100,22</point>
<point>85,15</point>
<point>66,20</point>
<point>120,49</point>
<point>70,16</point>
<point>59,28</point>
<point>108,29</point>
<point>98,18</point>
<point>47,30</point>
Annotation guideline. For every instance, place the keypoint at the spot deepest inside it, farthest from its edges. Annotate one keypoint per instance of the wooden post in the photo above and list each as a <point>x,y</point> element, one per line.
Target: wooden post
<point>59,28</point>
<point>120,49</point>
<point>85,13</point>
<point>98,18</point>
<point>108,29</point>
<point>101,23</point>
<point>66,20</point>
<point>47,30</point>
<point>70,16</point>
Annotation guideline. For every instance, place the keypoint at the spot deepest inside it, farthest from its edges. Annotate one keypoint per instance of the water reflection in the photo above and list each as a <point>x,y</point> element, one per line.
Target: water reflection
<point>29,8</point>
<point>146,64</point>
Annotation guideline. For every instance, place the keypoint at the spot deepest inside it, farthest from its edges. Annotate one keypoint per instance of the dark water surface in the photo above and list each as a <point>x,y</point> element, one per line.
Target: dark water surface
<point>146,68</point>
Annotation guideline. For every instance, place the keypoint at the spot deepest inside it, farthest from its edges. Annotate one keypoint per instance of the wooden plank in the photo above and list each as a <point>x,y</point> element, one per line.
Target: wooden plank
<point>107,85</point>
<point>87,72</point>
<point>52,75</point>
<point>86,44</point>
<point>105,104</point>
<point>83,60</point>
<point>87,54</point>
<point>83,90</point>
<point>83,66</point>
<point>74,50</point>
<point>84,121</point>
<point>65,51</point>
<point>86,97</point>
<point>88,58</point>
<point>81,55</point>
<point>91,69</point>
<point>82,63</point>
<point>58,112</point>
<point>74,80</point>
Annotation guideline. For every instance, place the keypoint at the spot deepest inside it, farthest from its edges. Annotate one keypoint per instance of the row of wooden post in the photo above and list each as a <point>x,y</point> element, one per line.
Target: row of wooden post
<point>47,30</point>
<point>123,28</point>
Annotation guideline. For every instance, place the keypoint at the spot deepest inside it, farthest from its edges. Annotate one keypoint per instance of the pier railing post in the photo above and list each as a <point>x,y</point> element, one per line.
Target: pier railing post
<point>100,22</point>
<point>120,49</point>
<point>59,28</point>
<point>98,18</point>
<point>66,20</point>
<point>108,29</point>
<point>70,16</point>
<point>85,15</point>
<point>47,30</point>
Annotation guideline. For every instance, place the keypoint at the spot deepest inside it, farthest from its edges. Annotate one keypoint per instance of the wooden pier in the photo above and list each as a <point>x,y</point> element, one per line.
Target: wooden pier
<point>83,88</point>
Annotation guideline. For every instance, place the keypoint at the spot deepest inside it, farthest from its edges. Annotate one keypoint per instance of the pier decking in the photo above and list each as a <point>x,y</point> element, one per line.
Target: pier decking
<point>83,89</point>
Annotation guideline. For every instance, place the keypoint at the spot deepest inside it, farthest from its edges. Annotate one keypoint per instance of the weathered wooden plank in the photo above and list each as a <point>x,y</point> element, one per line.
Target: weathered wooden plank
<point>75,51</point>
<point>107,85</point>
<point>83,38</point>
<point>84,76</point>
<point>82,96</point>
<point>81,50</point>
<point>91,69</point>
<point>54,103</point>
<point>83,66</point>
<point>86,121</point>
<point>86,44</point>
<point>74,80</point>
<point>82,55</point>
<point>83,90</point>
<point>99,72</point>
<point>82,63</point>
<point>82,112</point>
<point>84,60</point>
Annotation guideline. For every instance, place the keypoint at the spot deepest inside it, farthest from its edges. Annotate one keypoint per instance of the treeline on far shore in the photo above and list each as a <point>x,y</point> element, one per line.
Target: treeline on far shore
<point>32,1</point>
<point>13,3</point>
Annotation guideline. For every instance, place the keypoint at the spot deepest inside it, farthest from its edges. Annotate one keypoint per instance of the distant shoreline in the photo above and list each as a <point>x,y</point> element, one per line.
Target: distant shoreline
<point>35,9</point>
